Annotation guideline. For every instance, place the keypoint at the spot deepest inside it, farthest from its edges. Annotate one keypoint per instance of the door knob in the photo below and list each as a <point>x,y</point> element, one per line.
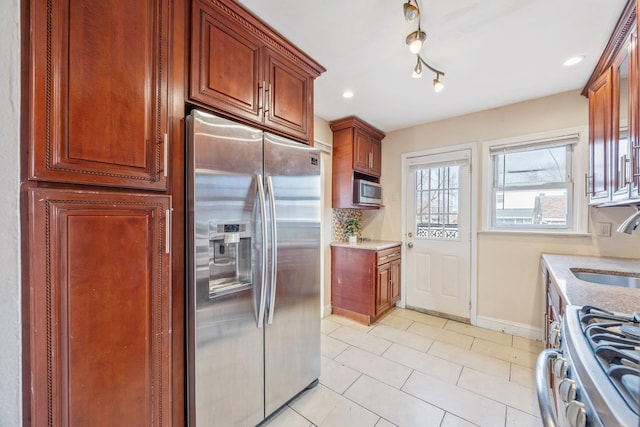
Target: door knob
<point>410,245</point>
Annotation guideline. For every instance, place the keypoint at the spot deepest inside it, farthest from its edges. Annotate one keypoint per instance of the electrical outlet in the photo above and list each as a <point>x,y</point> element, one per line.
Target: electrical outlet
<point>604,229</point>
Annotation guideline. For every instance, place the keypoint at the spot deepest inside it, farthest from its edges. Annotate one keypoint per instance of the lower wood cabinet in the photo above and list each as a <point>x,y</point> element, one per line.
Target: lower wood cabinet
<point>365,283</point>
<point>96,309</point>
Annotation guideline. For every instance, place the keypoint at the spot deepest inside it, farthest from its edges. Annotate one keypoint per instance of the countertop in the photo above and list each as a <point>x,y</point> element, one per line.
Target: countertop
<point>371,245</point>
<point>579,292</point>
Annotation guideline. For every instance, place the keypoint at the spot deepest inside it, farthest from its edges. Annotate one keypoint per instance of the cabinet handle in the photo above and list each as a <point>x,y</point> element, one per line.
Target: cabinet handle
<point>166,152</point>
<point>370,160</point>
<point>623,170</point>
<point>263,94</point>
<point>268,100</point>
<point>167,230</point>
<point>587,177</point>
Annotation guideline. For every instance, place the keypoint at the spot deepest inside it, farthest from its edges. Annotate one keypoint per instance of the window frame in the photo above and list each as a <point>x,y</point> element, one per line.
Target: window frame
<point>576,199</point>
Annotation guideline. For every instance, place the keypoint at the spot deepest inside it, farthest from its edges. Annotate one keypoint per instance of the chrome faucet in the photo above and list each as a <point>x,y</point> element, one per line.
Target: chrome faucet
<point>631,223</point>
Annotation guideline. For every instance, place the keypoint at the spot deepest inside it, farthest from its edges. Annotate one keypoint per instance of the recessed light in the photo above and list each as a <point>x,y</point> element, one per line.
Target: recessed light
<point>347,94</point>
<point>573,60</point>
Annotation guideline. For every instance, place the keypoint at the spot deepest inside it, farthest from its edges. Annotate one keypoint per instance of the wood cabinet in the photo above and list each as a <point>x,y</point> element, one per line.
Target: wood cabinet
<point>600,137</point>
<point>241,68</point>
<point>357,154</point>
<point>554,309</point>
<point>614,117</point>
<point>366,153</point>
<point>103,97</point>
<point>98,95</point>
<point>98,304</point>
<point>365,283</point>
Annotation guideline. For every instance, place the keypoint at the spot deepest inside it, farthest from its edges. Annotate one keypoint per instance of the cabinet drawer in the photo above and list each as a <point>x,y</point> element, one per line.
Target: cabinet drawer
<point>388,255</point>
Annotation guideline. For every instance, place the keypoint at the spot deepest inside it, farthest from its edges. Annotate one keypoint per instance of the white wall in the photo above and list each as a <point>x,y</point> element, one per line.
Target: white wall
<point>10,347</point>
<point>509,292</point>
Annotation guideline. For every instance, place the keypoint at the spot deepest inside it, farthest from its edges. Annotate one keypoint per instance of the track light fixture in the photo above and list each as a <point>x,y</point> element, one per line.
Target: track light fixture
<point>417,73</point>
<point>415,40</point>
<point>411,12</point>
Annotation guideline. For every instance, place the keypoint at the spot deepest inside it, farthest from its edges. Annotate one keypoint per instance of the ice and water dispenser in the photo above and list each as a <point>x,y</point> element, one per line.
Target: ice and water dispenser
<point>229,258</point>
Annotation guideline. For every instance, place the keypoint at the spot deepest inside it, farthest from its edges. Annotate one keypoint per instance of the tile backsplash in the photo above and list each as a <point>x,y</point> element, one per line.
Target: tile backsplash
<point>338,220</point>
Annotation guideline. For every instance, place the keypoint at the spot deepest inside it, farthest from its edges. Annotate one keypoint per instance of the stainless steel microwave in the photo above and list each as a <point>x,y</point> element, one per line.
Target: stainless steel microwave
<point>366,193</point>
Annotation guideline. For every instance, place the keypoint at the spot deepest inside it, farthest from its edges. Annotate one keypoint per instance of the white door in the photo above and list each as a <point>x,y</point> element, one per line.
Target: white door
<point>438,225</point>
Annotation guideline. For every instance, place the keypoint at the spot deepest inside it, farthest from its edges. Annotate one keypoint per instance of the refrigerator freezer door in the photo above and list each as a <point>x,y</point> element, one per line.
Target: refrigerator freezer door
<point>225,344</point>
<point>292,339</point>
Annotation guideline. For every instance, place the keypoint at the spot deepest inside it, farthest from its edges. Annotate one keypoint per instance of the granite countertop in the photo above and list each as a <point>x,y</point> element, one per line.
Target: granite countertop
<point>579,292</point>
<point>372,245</point>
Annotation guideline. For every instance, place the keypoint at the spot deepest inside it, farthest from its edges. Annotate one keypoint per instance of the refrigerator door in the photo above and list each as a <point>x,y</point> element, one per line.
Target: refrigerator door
<point>225,247</point>
<point>292,332</point>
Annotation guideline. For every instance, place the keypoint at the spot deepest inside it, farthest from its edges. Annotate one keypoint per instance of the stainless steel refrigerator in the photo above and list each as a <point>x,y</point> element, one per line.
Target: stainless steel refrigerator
<point>253,251</point>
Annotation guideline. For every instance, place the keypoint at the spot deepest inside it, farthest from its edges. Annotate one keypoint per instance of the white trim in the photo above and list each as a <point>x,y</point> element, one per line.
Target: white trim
<point>322,146</point>
<point>513,328</point>
<point>579,162</point>
<point>474,161</point>
<point>325,311</point>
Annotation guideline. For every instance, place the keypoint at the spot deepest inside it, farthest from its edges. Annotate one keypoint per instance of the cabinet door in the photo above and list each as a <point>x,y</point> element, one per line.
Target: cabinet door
<point>394,281</point>
<point>361,152</point>
<point>376,157</point>
<point>225,64</point>
<point>288,104</point>
<point>99,92</point>
<point>600,132</point>
<point>366,154</point>
<point>98,303</point>
<point>383,301</point>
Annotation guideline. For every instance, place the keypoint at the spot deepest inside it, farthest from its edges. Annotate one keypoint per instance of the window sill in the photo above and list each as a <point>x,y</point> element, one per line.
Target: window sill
<point>546,233</point>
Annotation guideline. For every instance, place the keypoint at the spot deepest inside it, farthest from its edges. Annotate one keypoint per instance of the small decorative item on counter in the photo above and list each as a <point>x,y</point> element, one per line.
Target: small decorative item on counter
<point>352,228</point>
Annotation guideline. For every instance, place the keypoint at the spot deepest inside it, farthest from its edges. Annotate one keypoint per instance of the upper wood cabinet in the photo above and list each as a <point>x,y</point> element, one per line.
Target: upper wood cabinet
<point>241,68</point>
<point>367,151</point>
<point>600,137</point>
<point>614,117</point>
<point>97,300</point>
<point>98,92</point>
<point>357,153</point>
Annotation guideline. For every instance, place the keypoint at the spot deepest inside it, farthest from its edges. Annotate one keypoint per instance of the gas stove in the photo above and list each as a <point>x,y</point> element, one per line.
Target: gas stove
<point>595,371</point>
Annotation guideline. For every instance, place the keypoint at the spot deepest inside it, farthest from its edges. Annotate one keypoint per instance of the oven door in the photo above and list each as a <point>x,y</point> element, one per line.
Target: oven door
<point>546,388</point>
<point>557,386</point>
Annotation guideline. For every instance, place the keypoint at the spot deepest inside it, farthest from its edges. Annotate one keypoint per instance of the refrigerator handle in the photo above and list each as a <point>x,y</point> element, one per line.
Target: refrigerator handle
<point>263,278</point>
<point>274,250</point>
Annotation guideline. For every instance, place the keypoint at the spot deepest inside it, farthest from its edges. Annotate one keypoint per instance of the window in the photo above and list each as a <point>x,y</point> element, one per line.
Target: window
<point>437,202</point>
<point>532,184</point>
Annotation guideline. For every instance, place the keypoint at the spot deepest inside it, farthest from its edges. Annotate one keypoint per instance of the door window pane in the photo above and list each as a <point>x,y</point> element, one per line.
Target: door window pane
<point>437,202</point>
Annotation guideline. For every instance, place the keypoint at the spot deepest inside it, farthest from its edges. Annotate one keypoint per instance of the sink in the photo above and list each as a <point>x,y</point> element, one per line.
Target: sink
<point>614,278</point>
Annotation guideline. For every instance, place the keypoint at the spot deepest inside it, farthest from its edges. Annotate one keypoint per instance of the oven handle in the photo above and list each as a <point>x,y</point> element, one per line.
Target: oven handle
<point>542,386</point>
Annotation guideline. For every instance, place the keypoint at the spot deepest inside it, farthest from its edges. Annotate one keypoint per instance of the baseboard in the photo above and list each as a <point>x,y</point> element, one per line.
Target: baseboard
<point>513,328</point>
<point>326,310</point>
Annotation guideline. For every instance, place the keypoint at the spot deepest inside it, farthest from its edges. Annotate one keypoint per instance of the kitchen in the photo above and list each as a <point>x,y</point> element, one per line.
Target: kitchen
<point>517,284</point>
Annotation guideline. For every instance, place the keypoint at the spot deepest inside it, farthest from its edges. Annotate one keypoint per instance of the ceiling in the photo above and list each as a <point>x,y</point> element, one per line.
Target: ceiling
<point>493,52</point>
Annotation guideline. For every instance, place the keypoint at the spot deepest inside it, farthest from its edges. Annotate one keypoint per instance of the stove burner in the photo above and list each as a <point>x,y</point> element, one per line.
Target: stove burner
<point>631,332</point>
<point>615,341</point>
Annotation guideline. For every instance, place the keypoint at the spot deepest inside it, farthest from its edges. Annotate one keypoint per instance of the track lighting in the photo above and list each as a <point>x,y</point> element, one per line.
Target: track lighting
<point>437,84</point>
<point>411,12</point>
<point>415,40</point>
<point>417,73</point>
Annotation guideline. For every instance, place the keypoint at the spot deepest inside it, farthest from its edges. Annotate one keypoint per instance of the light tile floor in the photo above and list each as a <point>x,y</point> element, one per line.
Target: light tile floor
<point>412,369</point>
